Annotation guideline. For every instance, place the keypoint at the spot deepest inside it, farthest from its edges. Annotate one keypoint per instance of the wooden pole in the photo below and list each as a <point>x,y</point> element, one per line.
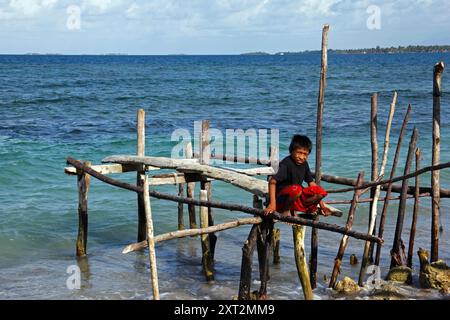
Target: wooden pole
<point>276,246</point>
<point>83,182</point>
<point>142,228</point>
<point>206,253</point>
<point>374,145</point>
<point>388,193</point>
<point>396,257</point>
<point>412,233</point>
<point>150,239</point>
<point>180,207</point>
<point>344,240</point>
<point>264,240</point>
<point>192,232</point>
<point>300,261</point>
<point>320,108</point>
<point>190,192</point>
<point>231,207</point>
<point>435,185</point>
<point>246,264</point>
<point>368,247</point>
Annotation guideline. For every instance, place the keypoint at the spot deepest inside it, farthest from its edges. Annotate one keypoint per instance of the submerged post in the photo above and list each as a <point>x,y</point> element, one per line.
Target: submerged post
<point>150,239</point>
<point>435,185</point>
<point>412,233</point>
<point>206,252</point>
<point>83,182</point>
<point>190,191</point>
<point>142,228</point>
<point>396,254</point>
<point>300,261</point>
<point>345,238</point>
<point>320,107</point>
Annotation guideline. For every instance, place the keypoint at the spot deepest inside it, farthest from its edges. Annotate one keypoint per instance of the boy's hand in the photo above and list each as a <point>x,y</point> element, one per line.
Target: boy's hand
<point>271,208</point>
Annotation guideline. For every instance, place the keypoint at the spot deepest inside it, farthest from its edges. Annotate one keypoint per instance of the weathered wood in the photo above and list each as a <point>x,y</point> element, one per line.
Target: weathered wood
<point>232,207</point>
<point>204,143</point>
<point>192,232</point>
<point>344,241</point>
<point>390,186</point>
<point>421,195</point>
<point>412,233</point>
<point>264,239</point>
<point>444,193</point>
<point>263,171</point>
<point>206,253</point>
<point>83,182</point>
<point>190,191</point>
<point>374,148</point>
<point>245,281</point>
<point>435,184</point>
<point>150,240</point>
<point>395,252</point>
<point>112,168</point>
<point>300,261</point>
<point>180,207</point>
<point>140,151</point>
<point>206,185</point>
<point>368,247</point>
<point>236,159</point>
<point>276,246</point>
<point>318,166</point>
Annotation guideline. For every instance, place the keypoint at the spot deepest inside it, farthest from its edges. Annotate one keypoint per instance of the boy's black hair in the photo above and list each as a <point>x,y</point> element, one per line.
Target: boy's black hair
<point>299,141</point>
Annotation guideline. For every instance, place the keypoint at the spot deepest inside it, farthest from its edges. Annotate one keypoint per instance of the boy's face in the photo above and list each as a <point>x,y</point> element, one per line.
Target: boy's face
<point>300,155</point>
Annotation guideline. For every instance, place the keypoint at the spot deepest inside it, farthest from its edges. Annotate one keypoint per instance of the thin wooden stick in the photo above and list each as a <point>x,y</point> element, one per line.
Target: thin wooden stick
<point>373,215</point>
<point>83,182</point>
<point>140,151</point>
<point>435,185</point>
<point>300,261</point>
<point>344,240</point>
<point>192,232</point>
<point>232,207</point>
<point>150,240</point>
<point>190,192</point>
<point>318,166</point>
<point>395,253</point>
<point>421,195</point>
<point>206,253</point>
<point>412,233</point>
<point>374,147</point>
<point>180,207</point>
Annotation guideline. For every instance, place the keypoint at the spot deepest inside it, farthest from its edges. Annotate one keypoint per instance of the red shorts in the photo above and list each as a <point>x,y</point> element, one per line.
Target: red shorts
<point>292,198</point>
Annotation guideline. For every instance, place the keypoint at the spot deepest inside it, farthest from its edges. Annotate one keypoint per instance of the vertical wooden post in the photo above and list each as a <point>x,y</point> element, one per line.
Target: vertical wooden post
<point>180,207</point>
<point>435,185</point>
<point>83,182</point>
<point>276,246</point>
<point>374,172</point>
<point>344,240</point>
<point>368,246</point>
<point>320,108</point>
<point>246,264</point>
<point>142,228</point>
<point>190,191</point>
<point>300,261</point>
<point>412,233</point>
<point>264,240</point>
<point>396,257</point>
<point>150,239</point>
<point>206,253</point>
<point>389,190</point>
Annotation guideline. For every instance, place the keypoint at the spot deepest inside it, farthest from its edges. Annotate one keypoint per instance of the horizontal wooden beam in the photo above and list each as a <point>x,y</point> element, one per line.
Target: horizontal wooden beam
<point>110,168</point>
<point>192,232</point>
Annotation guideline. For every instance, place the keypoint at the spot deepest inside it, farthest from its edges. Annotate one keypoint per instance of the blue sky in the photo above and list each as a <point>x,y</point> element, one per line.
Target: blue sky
<point>216,26</point>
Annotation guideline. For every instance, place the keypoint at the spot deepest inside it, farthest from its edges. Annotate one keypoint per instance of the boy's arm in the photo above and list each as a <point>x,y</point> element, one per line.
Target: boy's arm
<point>272,197</point>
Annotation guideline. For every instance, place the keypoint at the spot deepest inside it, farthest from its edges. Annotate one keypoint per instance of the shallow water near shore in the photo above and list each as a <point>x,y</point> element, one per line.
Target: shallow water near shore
<point>85,106</point>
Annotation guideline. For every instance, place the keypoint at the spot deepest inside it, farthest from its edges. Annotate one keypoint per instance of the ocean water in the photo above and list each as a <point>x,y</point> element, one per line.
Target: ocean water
<point>85,106</point>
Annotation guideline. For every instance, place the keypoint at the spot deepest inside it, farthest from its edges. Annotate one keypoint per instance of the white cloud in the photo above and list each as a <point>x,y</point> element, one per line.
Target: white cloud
<point>100,6</point>
<point>31,7</point>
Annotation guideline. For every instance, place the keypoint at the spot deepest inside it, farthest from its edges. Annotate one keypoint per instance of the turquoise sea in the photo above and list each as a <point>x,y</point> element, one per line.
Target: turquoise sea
<point>85,106</point>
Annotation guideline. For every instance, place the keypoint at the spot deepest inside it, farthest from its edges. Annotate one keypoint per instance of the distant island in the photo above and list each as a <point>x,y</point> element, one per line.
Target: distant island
<point>377,50</point>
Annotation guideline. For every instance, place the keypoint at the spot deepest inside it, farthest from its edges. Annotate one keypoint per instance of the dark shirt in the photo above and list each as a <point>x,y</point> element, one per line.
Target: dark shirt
<point>290,173</point>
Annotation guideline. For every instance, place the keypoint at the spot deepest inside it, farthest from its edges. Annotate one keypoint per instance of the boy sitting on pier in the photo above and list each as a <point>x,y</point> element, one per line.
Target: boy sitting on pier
<point>286,194</point>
